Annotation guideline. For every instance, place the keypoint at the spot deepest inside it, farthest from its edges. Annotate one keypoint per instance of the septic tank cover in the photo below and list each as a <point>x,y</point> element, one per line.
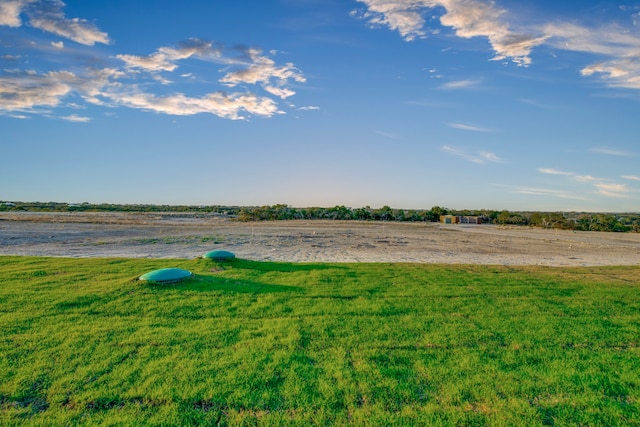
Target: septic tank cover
<point>166,275</point>
<point>219,255</point>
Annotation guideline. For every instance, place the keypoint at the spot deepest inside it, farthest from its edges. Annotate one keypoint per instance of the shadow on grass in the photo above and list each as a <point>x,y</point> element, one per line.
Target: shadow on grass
<point>284,267</point>
<point>202,283</point>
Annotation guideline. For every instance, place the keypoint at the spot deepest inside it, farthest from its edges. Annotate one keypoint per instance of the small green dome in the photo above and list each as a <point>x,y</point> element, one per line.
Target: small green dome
<point>219,255</point>
<point>166,275</point>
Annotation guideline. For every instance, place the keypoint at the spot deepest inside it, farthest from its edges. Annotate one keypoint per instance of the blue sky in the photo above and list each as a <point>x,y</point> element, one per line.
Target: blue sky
<point>510,104</point>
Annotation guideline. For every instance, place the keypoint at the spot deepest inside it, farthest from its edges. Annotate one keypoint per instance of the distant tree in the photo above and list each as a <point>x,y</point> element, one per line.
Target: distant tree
<point>601,222</point>
<point>340,213</point>
<point>362,214</point>
<point>508,218</point>
<point>385,213</point>
<point>434,214</point>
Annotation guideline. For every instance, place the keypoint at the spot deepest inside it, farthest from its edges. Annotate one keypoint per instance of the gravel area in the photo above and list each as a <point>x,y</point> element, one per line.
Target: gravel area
<point>175,235</point>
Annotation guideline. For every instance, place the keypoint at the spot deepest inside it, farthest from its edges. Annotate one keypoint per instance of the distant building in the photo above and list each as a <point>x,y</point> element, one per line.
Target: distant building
<point>460,219</point>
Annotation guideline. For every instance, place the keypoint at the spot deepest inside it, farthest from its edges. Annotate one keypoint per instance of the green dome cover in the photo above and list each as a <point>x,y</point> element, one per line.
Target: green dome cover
<point>166,275</point>
<point>219,255</point>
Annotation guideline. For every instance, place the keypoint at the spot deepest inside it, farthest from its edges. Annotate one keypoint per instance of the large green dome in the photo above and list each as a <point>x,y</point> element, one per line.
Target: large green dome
<point>166,275</point>
<point>219,255</point>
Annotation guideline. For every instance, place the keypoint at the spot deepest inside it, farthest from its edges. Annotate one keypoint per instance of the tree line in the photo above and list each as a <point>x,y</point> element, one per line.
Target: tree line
<point>583,221</point>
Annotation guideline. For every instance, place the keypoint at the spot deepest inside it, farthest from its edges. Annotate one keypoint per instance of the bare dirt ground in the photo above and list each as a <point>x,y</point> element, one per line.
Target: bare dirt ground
<point>171,235</point>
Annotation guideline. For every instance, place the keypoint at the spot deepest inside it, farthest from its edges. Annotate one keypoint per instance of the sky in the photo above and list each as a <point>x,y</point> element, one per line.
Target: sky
<point>464,104</point>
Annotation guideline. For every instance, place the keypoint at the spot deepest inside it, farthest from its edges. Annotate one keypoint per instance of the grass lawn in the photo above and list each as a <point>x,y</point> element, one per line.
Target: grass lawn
<point>253,343</point>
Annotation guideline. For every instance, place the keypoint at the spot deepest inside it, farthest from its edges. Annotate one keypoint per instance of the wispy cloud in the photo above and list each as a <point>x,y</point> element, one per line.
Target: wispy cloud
<point>459,84</point>
<point>551,171</point>
<point>228,106</point>
<point>538,104</point>
<point>132,80</point>
<point>48,15</point>
<point>250,67</point>
<point>512,38</point>
<point>471,128</point>
<point>309,108</point>
<point>24,90</point>
<point>76,119</point>
<point>468,18</point>
<point>548,192</point>
<point>600,186</point>
<point>166,58</point>
<point>479,157</point>
<point>263,70</point>
<point>610,151</point>
<point>620,46</point>
<point>430,103</point>
<point>612,189</point>
<point>631,177</point>
<point>387,134</point>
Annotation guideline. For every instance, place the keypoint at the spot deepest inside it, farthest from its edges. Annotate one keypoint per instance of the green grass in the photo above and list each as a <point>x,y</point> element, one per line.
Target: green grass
<point>248,343</point>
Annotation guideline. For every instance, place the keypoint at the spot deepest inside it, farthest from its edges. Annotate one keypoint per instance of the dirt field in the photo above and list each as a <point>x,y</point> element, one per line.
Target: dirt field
<point>171,235</point>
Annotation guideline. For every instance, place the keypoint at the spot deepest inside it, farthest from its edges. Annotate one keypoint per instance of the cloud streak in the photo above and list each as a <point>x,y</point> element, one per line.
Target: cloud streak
<point>479,158</point>
<point>459,84</point>
<point>470,128</point>
<point>610,151</point>
<point>534,191</point>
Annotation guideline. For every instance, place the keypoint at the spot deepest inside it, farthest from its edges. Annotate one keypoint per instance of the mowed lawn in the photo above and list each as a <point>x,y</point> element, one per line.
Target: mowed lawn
<point>253,343</point>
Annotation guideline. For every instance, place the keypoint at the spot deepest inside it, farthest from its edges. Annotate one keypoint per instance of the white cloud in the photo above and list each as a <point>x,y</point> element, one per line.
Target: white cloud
<point>459,84</point>
<point>468,18</point>
<point>623,73</point>
<point>280,92</point>
<point>610,40</point>
<point>471,18</point>
<point>165,58</point>
<point>612,189</point>
<point>309,108</point>
<point>551,171</point>
<point>489,157</point>
<point>76,119</point>
<point>584,178</point>
<point>549,192</point>
<point>228,106</point>
<point>620,46</point>
<point>120,85</point>
<point>153,62</point>
<point>387,134</point>
<point>480,158</point>
<point>251,68</point>
<point>610,151</point>
<point>263,70</point>
<point>402,16</point>
<point>471,128</point>
<point>23,91</point>
<point>631,177</point>
<point>10,12</point>
<point>602,186</point>
<point>48,15</point>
